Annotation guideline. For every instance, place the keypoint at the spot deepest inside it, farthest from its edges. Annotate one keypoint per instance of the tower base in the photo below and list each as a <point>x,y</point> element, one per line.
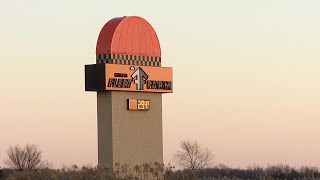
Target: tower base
<point>129,137</point>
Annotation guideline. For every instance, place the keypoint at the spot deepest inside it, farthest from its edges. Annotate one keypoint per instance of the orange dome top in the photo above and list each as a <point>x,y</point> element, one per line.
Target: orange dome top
<point>129,35</point>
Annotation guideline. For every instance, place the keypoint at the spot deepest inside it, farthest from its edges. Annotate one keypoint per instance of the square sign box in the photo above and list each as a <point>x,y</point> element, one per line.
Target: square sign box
<point>108,77</point>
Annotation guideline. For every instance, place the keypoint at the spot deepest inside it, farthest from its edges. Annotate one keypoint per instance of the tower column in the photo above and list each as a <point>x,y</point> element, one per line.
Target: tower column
<point>129,82</point>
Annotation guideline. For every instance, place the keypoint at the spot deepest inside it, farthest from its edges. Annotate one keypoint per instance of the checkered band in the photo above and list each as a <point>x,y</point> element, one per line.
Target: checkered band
<point>128,59</point>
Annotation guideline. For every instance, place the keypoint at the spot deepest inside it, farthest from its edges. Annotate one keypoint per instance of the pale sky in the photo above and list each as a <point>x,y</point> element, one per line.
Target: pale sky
<point>246,77</point>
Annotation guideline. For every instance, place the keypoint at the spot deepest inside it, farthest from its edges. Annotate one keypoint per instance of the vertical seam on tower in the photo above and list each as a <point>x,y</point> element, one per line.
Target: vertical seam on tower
<point>127,35</point>
<point>134,20</point>
<point>145,39</point>
<point>138,37</point>
<point>126,19</point>
<point>150,37</point>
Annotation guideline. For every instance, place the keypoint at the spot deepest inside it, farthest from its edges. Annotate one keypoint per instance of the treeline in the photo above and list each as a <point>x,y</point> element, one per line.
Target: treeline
<point>157,171</point>
<point>271,172</point>
<point>26,164</point>
<point>119,172</point>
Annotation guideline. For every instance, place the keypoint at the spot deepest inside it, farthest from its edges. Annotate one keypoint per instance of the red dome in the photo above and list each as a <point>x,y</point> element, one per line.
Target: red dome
<point>130,35</point>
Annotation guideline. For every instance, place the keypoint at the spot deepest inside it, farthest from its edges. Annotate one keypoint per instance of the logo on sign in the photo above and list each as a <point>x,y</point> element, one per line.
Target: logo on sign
<point>140,78</point>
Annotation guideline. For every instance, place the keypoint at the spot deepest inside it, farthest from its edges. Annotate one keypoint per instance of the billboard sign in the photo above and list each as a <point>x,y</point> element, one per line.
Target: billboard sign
<point>129,78</point>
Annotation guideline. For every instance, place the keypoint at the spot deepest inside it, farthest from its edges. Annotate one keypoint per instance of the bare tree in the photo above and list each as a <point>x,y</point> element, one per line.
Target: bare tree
<point>25,158</point>
<point>1,173</point>
<point>193,156</point>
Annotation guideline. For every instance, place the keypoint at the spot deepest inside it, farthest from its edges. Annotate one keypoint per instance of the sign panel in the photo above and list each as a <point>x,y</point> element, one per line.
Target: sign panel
<point>138,105</point>
<point>138,78</point>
